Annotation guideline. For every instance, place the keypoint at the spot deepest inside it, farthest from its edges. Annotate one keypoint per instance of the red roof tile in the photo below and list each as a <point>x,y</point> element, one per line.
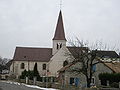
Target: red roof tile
<point>32,54</point>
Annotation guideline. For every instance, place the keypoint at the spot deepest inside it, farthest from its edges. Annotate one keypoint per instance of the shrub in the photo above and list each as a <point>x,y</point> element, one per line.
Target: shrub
<point>31,74</point>
<point>23,75</point>
<point>111,77</point>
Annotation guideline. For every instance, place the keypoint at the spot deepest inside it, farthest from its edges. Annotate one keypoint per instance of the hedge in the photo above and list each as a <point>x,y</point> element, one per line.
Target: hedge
<point>111,77</point>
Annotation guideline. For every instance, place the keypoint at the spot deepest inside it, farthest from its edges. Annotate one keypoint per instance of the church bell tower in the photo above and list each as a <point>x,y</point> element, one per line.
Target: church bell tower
<point>59,39</point>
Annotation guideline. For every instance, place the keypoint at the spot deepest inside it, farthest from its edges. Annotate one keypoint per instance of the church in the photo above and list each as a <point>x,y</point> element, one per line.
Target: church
<point>55,61</point>
<point>49,60</point>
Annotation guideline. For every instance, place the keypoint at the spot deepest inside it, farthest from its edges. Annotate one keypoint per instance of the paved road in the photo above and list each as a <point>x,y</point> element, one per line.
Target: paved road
<point>8,86</point>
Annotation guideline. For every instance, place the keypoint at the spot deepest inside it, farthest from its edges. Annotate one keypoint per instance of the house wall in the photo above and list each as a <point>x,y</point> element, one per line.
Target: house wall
<point>29,65</point>
<point>70,74</point>
<point>100,68</point>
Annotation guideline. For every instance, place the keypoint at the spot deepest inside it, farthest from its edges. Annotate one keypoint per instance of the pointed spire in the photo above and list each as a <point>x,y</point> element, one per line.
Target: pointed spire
<point>59,32</point>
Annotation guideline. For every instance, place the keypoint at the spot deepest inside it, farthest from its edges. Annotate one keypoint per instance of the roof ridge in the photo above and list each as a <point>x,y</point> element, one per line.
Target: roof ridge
<point>35,47</point>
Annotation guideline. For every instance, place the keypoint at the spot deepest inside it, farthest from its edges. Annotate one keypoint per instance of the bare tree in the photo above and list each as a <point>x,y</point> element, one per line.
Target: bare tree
<point>3,61</point>
<point>87,58</point>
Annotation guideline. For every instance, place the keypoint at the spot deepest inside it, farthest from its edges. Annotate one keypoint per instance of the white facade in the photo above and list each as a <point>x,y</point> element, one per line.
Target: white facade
<point>56,62</point>
<point>28,65</point>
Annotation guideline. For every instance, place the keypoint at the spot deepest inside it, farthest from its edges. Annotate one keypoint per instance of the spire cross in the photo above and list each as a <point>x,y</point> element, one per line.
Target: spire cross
<point>60,4</point>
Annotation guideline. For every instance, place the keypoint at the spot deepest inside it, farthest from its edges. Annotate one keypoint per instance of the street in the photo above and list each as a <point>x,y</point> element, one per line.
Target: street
<point>11,86</point>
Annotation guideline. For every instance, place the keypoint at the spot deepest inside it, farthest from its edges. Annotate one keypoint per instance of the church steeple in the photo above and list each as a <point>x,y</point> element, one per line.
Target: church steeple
<point>59,32</point>
<point>59,39</point>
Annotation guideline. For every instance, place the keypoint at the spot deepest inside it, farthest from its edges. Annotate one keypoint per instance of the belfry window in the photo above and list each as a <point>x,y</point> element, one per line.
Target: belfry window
<point>57,46</point>
<point>22,66</point>
<point>60,45</point>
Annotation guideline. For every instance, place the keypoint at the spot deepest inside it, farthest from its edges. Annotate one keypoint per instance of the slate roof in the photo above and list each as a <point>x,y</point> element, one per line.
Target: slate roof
<point>75,50</point>
<point>59,32</point>
<point>107,54</point>
<point>32,54</point>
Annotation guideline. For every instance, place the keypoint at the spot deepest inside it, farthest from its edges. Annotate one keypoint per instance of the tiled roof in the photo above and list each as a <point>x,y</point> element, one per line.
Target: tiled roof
<point>59,32</point>
<point>115,66</point>
<point>107,54</point>
<point>32,54</point>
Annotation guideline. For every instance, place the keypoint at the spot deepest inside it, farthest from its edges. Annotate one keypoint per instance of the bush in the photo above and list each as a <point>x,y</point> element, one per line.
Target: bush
<point>111,77</point>
<point>24,74</point>
<point>31,74</point>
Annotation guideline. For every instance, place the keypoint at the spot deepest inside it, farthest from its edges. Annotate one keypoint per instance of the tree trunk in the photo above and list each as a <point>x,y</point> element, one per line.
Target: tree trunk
<point>88,82</point>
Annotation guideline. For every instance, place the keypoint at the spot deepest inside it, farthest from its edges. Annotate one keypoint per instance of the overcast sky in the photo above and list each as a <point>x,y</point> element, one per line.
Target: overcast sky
<point>33,22</point>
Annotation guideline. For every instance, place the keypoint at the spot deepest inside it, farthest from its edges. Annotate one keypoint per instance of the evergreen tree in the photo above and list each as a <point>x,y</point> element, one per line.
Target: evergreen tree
<point>35,72</point>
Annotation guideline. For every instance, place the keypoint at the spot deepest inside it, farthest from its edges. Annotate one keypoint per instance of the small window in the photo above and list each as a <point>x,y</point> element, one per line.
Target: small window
<point>44,66</point>
<point>93,80</point>
<point>22,65</point>
<point>65,63</point>
<point>72,81</point>
<point>94,68</point>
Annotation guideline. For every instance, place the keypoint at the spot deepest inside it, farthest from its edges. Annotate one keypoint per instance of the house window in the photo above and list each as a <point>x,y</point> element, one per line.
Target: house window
<point>22,65</point>
<point>94,68</point>
<point>44,66</point>
<point>93,80</point>
<point>72,81</point>
<point>65,63</point>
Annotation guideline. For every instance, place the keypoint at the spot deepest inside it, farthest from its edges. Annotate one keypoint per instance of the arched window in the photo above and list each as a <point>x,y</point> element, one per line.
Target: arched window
<point>60,45</point>
<point>44,66</point>
<point>65,63</point>
<point>57,46</point>
<point>22,66</point>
